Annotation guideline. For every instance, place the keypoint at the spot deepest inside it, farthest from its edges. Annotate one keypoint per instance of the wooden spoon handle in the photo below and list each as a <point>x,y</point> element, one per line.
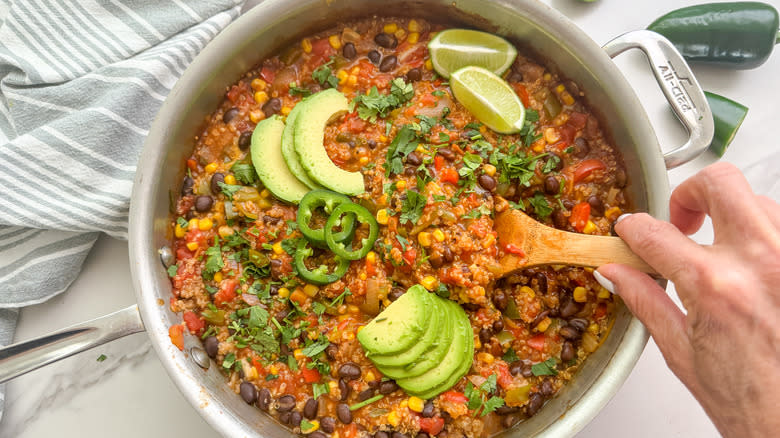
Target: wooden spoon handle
<point>594,251</point>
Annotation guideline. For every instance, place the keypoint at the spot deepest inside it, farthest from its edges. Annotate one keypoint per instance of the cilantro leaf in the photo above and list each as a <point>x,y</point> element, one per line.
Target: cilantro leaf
<point>316,347</point>
<point>295,90</point>
<point>491,405</point>
<point>172,270</point>
<point>214,262</point>
<point>229,189</point>
<point>546,368</point>
<point>373,104</point>
<point>244,172</point>
<point>489,384</point>
<point>324,75</point>
<point>319,389</point>
<point>510,356</point>
<point>339,299</point>
<point>541,206</point>
<point>551,164</point>
<point>405,142</point>
<point>412,207</point>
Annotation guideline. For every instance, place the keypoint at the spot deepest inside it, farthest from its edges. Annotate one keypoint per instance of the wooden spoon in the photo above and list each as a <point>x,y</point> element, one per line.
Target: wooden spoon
<point>538,244</point>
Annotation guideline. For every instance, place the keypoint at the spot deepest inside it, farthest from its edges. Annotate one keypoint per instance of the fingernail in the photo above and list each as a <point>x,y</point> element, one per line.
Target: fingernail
<point>620,218</point>
<point>606,284</point>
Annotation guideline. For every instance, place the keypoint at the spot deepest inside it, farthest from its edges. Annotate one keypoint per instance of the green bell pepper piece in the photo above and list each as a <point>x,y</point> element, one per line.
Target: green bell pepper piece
<point>728,117</point>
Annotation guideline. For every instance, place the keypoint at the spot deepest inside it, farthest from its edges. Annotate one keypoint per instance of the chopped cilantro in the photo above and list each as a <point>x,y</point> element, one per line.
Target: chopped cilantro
<point>244,172</point>
<point>551,164</point>
<point>214,262</point>
<point>102,357</point>
<point>373,104</point>
<point>295,90</point>
<point>442,290</point>
<point>412,208</point>
<point>482,210</point>
<point>182,222</point>
<point>444,138</point>
<point>546,368</point>
<point>172,270</point>
<point>316,347</point>
<point>541,206</point>
<point>339,299</point>
<point>291,226</point>
<point>510,356</point>
<point>229,189</point>
<point>477,397</point>
<point>439,93</point>
<point>491,405</point>
<point>229,360</point>
<point>324,75</point>
<point>318,308</point>
<point>404,243</point>
<point>290,245</point>
<point>270,377</point>
<point>405,142</point>
<point>319,388</point>
<point>292,363</point>
<point>515,166</point>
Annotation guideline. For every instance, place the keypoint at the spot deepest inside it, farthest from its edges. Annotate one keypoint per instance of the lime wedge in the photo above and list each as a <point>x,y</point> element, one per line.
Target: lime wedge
<point>456,48</point>
<point>489,98</point>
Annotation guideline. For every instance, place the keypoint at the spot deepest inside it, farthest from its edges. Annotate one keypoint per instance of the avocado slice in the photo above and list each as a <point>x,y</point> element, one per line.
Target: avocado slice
<point>266,150</point>
<point>288,148</point>
<point>461,350</point>
<point>433,332</point>
<point>435,353</point>
<point>400,325</point>
<point>308,137</point>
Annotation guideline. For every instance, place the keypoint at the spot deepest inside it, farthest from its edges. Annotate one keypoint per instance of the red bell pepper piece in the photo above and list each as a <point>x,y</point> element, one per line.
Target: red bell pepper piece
<point>586,168</point>
<point>537,342</point>
<point>579,216</point>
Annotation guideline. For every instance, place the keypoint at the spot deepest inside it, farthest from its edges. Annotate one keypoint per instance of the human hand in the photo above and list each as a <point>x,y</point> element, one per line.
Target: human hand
<point>726,349</point>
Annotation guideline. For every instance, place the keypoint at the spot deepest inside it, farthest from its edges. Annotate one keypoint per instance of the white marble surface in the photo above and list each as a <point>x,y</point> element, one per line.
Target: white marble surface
<point>129,394</point>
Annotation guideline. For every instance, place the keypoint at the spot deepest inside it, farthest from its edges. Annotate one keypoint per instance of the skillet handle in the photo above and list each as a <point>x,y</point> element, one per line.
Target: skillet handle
<point>23,357</point>
<point>680,87</point>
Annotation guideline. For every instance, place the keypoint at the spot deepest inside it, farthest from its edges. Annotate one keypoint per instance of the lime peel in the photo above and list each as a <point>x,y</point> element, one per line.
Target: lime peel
<point>453,49</point>
<point>489,98</point>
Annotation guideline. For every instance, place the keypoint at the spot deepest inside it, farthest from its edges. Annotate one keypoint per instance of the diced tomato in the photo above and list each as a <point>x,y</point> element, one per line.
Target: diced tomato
<point>577,120</point>
<point>267,74</point>
<point>194,322</point>
<point>192,164</point>
<point>449,175</point>
<point>514,249</point>
<point>410,255</point>
<point>584,169</point>
<point>183,253</point>
<point>176,333</point>
<point>537,342</point>
<point>579,216</point>
<point>432,426</point>
<point>257,363</point>
<point>455,397</point>
<point>310,375</point>
<point>504,376</point>
<point>227,292</point>
<point>234,92</point>
<point>428,99</point>
<point>350,431</point>
<point>438,162</point>
<point>353,123</point>
<point>600,312</point>
<point>522,93</point>
<point>567,133</point>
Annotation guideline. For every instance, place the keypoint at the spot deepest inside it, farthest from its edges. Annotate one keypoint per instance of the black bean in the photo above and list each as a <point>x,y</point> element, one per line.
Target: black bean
<point>284,417</point>
<point>569,308</point>
<point>371,144</point>
<point>568,203</point>
<point>414,159</point>
<point>567,352</point>
<point>349,51</point>
<point>409,171</point>
<point>435,260</point>
<point>534,403</point>
<point>215,180</point>
<point>547,388</point>
<point>579,323</point>
<point>413,75</point>
<point>551,185</point>
<point>447,153</point>
<point>449,257</point>
<point>487,182</point>
<point>506,410</point>
<point>621,178</point>
<point>318,434</point>
<point>540,317</point>
<point>527,370</point>
<point>374,57</point>
<point>244,140</point>
<point>344,389</point>
<point>516,368</point>
<point>230,115</point>
<point>273,106</point>
<point>388,387</point>
<point>374,384</point>
<point>386,40</point>
<point>344,414</point>
<point>310,409</point>
<point>270,220</point>
<point>212,346</point>
<point>558,162</point>
<point>350,371</point>
<point>570,333</point>
<point>381,434</point>
<point>285,403</point>
<point>331,351</point>
<point>264,399</point>
<point>395,293</point>
<point>541,281</point>
<point>515,76</point>
<point>422,435</point>
<point>508,421</point>
<point>498,326</point>
<point>500,300</point>
<point>203,203</point>
<point>596,206</point>
<point>559,219</point>
<point>581,147</point>
<point>276,269</point>
<point>295,419</point>
<point>485,335</point>
<point>328,424</point>
<point>388,63</point>
<point>248,392</point>
<point>397,434</point>
<point>427,411</point>
<point>365,394</point>
<point>186,186</point>
<point>284,350</point>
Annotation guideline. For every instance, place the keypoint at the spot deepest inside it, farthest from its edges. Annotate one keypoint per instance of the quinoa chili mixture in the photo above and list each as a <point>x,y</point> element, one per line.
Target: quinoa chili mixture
<point>434,179</point>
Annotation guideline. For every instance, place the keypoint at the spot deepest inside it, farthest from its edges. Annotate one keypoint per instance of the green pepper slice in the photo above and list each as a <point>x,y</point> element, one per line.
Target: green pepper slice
<point>361,215</point>
<point>728,117</point>
<point>320,275</point>
<point>327,201</point>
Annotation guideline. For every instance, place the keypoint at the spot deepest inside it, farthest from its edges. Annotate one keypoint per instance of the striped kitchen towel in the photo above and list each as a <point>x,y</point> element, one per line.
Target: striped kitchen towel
<point>80,83</point>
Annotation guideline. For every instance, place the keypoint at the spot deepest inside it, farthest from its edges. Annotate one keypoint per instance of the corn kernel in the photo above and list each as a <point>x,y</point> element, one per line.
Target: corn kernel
<point>543,325</point>
<point>284,292</point>
<point>225,231</point>
<point>370,377</point>
<point>230,179</point>
<point>429,282</point>
<point>261,97</point>
<point>306,45</point>
<point>483,129</point>
<point>414,26</point>
<point>311,290</point>
<point>205,224</point>
<point>489,241</point>
<point>613,213</point>
<point>547,76</point>
<point>210,168</point>
<point>334,41</point>
<point>265,193</point>
<point>421,149</point>
<point>371,257</point>
<point>413,38</point>
<point>333,386</point>
<point>477,343</point>
<point>311,427</point>
<point>393,419</point>
<point>179,231</point>
<point>342,76</point>
<point>593,328</point>
<point>363,161</point>
<point>277,248</point>
<point>258,84</point>
<point>485,357</point>
<point>355,70</point>
<point>273,369</point>
<point>528,291</point>
<point>551,135</point>
<point>580,294</point>
<point>390,28</point>
<point>193,223</point>
<point>400,34</point>
<point>479,291</point>
<point>539,145</point>
<point>428,64</point>
<point>416,404</point>
<point>298,354</point>
<point>424,238</point>
<point>252,374</point>
<point>400,185</point>
<point>404,404</point>
<point>363,276</point>
<point>342,309</point>
<point>352,80</point>
<point>218,277</point>
<point>489,169</point>
<point>603,293</point>
<point>358,331</point>
<point>351,308</point>
<point>192,246</point>
<point>438,235</point>
<point>590,228</point>
<point>567,98</point>
<point>383,138</point>
<point>313,335</point>
<point>382,216</point>
<point>256,116</point>
<point>286,110</point>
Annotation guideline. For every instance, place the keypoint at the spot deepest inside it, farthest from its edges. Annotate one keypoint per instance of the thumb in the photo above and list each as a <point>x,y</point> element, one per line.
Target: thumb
<point>650,303</point>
